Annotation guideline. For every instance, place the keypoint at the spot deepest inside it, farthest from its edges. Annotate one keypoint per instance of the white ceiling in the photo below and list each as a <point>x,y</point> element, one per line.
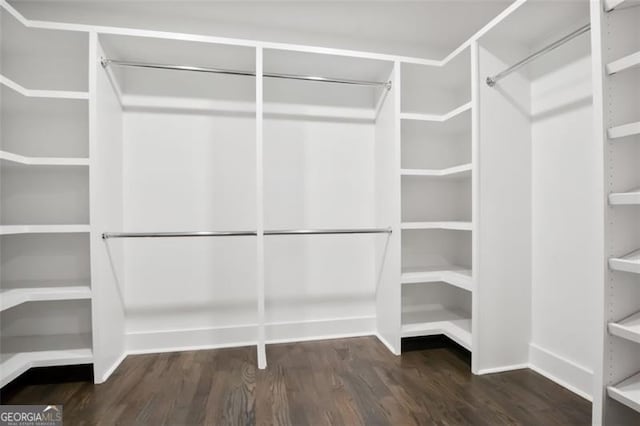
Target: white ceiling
<point>426,28</point>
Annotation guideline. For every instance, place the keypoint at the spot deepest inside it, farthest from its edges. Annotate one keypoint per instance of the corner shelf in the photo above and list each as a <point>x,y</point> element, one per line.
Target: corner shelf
<point>627,392</point>
<point>625,198</point>
<point>463,170</point>
<point>440,320</point>
<point>623,64</point>
<point>450,225</point>
<point>628,328</point>
<point>623,131</point>
<point>458,277</point>
<point>50,94</point>
<point>43,161</point>
<point>19,354</point>
<point>43,229</point>
<point>436,117</point>
<point>35,292</point>
<point>628,263</point>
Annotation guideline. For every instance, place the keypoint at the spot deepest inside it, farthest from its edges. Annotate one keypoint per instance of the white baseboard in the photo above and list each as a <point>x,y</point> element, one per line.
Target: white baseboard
<point>503,369</point>
<point>111,369</point>
<point>246,335</point>
<point>388,345</point>
<point>564,372</point>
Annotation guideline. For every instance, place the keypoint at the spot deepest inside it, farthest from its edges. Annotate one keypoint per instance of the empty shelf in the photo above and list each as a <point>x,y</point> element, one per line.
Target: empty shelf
<point>463,170</point>
<point>627,392</point>
<point>454,325</point>
<point>32,292</point>
<point>625,198</point>
<point>22,353</point>
<point>628,328</point>
<point>609,5</point>
<point>457,277</point>
<point>455,226</point>
<point>51,94</point>
<point>436,117</point>
<point>42,229</point>
<point>628,263</point>
<point>623,64</point>
<point>43,161</point>
<point>624,130</point>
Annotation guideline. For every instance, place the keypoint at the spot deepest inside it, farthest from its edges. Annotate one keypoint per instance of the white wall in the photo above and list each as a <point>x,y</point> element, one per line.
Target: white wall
<point>566,218</point>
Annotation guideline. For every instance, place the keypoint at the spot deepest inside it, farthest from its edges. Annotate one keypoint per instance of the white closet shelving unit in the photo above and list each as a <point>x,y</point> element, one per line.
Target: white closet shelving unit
<point>45,291</point>
<point>436,191</point>
<point>618,96</point>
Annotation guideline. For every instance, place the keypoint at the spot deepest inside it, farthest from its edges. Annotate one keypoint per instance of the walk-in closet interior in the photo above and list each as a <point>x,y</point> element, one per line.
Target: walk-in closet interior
<point>167,189</point>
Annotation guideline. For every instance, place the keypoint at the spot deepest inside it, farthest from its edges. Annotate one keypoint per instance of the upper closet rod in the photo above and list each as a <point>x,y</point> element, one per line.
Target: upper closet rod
<point>108,235</point>
<point>491,81</point>
<point>106,62</point>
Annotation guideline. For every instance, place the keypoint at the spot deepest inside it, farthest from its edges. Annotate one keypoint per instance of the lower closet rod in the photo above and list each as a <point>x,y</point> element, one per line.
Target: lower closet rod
<point>107,235</point>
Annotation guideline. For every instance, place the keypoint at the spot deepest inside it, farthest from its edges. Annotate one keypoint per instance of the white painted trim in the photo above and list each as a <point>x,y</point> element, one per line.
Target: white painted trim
<point>265,45</point>
<point>384,341</point>
<point>111,369</point>
<point>563,371</point>
<point>43,161</point>
<point>52,94</point>
<point>495,21</point>
<point>436,117</point>
<point>502,369</point>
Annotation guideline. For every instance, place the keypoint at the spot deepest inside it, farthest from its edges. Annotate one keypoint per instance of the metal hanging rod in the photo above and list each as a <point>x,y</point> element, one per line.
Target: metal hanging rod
<point>328,231</point>
<point>108,235</point>
<point>491,81</point>
<point>106,62</point>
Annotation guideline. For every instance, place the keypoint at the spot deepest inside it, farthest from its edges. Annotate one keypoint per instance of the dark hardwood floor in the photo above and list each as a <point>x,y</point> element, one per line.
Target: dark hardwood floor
<point>333,382</point>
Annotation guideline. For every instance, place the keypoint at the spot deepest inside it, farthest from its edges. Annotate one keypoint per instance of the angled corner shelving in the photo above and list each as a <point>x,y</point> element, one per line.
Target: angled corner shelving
<point>454,276</point>
<point>43,161</point>
<point>51,94</point>
<point>436,117</point>
<point>440,320</point>
<point>627,392</point>
<point>36,292</point>
<point>19,354</point>
<point>461,171</point>
<point>628,263</point>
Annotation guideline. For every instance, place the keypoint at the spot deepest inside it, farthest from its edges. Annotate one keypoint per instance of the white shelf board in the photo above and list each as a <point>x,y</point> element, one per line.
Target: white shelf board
<point>609,5</point>
<point>454,325</point>
<point>436,117</point>
<point>35,292</point>
<point>43,161</point>
<point>628,263</point>
<point>451,225</point>
<point>627,392</point>
<point>51,94</point>
<point>628,328</point>
<point>625,63</point>
<point>452,275</point>
<point>22,353</point>
<point>625,198</point>
<point>43,229</point>
<point>463,170</point>
<point>624,130</point>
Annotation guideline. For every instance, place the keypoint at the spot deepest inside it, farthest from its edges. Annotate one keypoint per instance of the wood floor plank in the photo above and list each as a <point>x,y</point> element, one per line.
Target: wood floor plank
<point>333,382</point>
